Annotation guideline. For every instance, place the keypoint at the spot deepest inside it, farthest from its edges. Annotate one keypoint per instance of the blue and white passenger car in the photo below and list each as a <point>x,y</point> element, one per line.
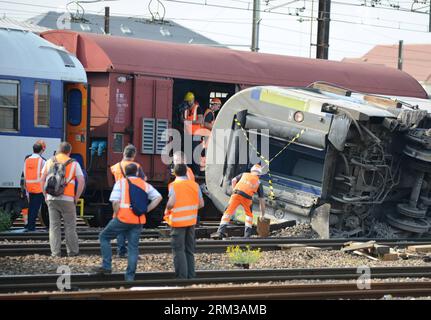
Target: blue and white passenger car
<point>34,79</point>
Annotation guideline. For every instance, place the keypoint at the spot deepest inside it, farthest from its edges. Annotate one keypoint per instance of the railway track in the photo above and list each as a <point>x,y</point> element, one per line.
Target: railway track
<point>213,246</point>
<point>244,292</point>
<point>79,282</point>
<point>93,234</point>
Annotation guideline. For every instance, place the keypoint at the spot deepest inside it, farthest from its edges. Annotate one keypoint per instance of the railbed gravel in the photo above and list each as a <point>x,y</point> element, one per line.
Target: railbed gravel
<point>41,264</point>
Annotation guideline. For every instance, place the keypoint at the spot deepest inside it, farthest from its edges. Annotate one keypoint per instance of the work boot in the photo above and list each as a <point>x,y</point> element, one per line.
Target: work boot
<point>220,234</point>
<point>247,232</point>
<point>102,271</point>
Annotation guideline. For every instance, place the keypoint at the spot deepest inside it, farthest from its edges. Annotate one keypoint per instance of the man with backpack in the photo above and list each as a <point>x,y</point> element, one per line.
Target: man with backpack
<point>117,171</point>
<point>60,176</point>
<point>132,198</point>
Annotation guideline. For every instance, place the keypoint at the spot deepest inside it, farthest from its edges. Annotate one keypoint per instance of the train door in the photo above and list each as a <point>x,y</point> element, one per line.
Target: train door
<point>77,121</point>
<point>152,111</point>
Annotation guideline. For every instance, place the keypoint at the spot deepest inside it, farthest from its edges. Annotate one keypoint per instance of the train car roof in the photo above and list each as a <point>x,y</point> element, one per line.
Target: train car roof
<point>25,54</point>
<point>101,53</point>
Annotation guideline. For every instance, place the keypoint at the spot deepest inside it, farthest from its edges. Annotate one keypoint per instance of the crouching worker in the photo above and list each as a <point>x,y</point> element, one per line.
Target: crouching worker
<point>185,198</point>
<point>129,199</point>
<point>244,187</point>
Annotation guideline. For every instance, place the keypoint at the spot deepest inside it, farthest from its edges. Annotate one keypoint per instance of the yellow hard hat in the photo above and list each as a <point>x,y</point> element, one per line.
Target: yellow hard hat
<point>189,96</point>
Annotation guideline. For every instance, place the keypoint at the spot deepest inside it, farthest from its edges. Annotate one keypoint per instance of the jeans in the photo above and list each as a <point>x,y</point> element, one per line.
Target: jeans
<point>36,200</point>
<point>121,244</point>
<point>132,233</point>
<point>183,248</point>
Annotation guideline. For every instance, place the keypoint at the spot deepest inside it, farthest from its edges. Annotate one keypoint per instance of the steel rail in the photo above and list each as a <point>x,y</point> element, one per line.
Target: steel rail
<point>215,246</point>
<point>34,283</point>
<point>285,291</point>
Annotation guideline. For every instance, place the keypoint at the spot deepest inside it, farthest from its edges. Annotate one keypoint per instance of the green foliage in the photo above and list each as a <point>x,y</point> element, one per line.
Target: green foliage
<point>237,255</point>
<point>5,220</point>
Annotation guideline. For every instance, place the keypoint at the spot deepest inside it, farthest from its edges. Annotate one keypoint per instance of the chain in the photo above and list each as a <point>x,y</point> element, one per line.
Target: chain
<point>267,162</point>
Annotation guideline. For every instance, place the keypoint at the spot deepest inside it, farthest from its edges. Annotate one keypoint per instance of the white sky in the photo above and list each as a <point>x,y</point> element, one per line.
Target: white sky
<point>354,29</point>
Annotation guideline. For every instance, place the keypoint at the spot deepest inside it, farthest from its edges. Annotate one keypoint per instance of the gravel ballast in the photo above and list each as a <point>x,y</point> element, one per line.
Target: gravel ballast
<point>38,264</point>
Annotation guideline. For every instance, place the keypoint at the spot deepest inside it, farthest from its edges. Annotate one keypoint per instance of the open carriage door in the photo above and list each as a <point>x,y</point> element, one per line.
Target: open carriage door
<point>152,114</point>
<point>77,121</point>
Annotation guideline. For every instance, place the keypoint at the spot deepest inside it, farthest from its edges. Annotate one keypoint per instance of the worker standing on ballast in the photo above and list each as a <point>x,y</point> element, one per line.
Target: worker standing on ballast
<point>244,187</point>
<point>33,183</point>
<point>129,202</point>
<point>117,171</point>
<point>185,199</point>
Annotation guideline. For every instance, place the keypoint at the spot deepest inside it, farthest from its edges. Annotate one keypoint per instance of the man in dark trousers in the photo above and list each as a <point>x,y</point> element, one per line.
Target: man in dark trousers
<point>33,182</point>
<point>185,199</point>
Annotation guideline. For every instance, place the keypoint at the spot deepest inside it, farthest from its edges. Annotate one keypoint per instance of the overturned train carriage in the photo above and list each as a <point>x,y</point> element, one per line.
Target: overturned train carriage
<point>339,160</point>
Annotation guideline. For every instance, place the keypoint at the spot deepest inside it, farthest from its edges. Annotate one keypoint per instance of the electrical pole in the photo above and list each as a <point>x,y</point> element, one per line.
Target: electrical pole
<point>106,20</point>
<point>429,21</point>
<point>323,29</point>
<point>400,55</point>
<point>256,22</point>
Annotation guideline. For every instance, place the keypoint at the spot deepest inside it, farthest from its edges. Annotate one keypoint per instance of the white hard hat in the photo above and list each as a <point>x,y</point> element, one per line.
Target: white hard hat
<point>257,168</point>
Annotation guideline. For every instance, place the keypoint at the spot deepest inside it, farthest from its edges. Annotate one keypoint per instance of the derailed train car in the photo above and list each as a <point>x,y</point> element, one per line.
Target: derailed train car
<point>336,158</point>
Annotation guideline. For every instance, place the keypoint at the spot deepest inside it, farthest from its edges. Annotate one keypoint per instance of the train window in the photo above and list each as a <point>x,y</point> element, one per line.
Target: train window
<point>218,94</point>
<point>74,107</point>
<point>41,104</point>
<point>296,163</point>
<point>9,105</point>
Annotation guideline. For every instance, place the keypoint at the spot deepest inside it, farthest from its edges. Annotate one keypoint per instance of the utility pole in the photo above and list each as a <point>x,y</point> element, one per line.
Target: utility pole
<point>323,29</point>
<point>400,55</point>
<point>256,22</point>
<point>106,20</point>
<point>429,21</point>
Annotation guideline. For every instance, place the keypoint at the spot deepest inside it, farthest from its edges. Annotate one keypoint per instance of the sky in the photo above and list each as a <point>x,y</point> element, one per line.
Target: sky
<point>286,27</point>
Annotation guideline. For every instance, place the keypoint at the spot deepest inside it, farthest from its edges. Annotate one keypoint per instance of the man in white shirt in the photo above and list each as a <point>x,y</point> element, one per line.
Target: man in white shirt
<point>126,221</point>
<point>64,206</point>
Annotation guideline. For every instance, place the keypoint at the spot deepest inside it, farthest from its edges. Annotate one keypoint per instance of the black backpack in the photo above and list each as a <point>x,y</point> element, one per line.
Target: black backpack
<point>138,197</point>
<point>56,178</point>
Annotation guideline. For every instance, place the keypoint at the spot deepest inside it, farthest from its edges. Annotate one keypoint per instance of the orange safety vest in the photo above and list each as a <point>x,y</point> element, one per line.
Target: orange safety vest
<point>116,170</point>
<point>189,116</point>
<point>33,174</point>
<point>206,113</point>
<point>185,211</point>
<point>249,183</point>
<point>190,176</point>
<point>70,175</point>
<point>125,213</point>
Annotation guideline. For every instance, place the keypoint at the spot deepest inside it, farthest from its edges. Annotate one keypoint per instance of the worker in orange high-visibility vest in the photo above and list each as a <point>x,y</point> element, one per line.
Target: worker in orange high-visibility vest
<point>193,120</point>
<point>63,206</point>
<point>210,113</point>
<point>125,221</point>
<point>180,158</point>
<point>244,186</point>
<point>33,166</point>
<point>129,154</point>
<point>185,199</point>
<point>117,170</point>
